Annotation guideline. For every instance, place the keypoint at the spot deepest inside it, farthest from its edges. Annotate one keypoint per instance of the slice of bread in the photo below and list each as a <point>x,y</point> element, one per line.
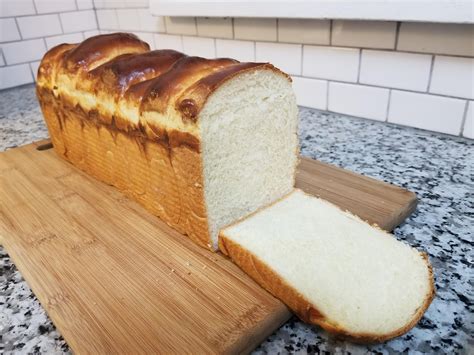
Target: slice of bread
<point>331,268</point>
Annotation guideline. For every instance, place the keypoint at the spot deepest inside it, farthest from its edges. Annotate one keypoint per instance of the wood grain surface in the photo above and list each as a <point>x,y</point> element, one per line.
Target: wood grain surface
<point>115,279</point>
<point>374,201</point>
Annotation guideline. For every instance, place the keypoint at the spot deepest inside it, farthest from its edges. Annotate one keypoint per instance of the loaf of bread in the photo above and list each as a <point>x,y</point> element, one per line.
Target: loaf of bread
<point>198,142</point>
<point>331,268</point>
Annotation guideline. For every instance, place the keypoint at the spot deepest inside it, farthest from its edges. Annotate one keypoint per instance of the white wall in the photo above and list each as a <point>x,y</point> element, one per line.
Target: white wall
<point>28,28</point>
<point>414,74</point>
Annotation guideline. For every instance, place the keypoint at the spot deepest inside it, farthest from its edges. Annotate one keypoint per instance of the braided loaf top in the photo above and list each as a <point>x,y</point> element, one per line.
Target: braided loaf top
<point>119,81</point>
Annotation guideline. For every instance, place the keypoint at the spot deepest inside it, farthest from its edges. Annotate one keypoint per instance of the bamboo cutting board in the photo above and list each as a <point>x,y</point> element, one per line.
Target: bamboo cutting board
<point>114,279</point>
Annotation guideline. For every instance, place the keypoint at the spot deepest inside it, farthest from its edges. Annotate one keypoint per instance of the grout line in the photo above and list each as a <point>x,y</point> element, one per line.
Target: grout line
<point>3,57</point>
<point>95,16</point>
<point>278,29</point>
<point>359,65</point>
<point>60,23</point>
<point>464,118</point>
<point>327,95</point>
<point>302,61</point>
<point>18,29</point>
<point>388,105</point>
<point>31,70</point>
<point>34,6</point>
<point>233,29</point>
<point>31,38</point>
<point>77,5</point>
<point>382,87</point>
<point>164,24</point>
<point>182,42</point>
<point>330,32</point>
<point>431,73</point>
<point>397,34</point>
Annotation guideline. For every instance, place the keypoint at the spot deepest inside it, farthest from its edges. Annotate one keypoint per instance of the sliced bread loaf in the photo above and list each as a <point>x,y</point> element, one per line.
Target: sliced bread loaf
<point>331,268</point>
<point>198,142</point>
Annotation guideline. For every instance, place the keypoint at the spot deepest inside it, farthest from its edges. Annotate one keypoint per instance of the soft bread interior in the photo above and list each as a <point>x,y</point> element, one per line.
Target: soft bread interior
<point>360,279</point>
<point>249,143</point>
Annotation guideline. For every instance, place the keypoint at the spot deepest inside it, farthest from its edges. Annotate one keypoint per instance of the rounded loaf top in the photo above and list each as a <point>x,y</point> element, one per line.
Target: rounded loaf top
<point>119,66</point>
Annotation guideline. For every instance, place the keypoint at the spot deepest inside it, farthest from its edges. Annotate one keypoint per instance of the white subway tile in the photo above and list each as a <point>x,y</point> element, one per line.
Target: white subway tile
<point>469,123</point>
<point>150,23</point>
<point>78,21</point>
<point>39,26</point>
<point>163,41</point>
<point>84,4</point>
<point>197,46</point>
<point>331,63</point>
<point>286,57</point>
<point>146,37</point>
<point>214,27</point>
<point>69,38</point>
<point>365,34</point>
<point>137,3</point>
<point>453,76</point>
<point>431,112</point>
<point>2,61</point>
<point>109,4</point>
<point>440,38</point>
<point>47,6</point>
<point>107,19</point>
<point>259,29</point>
<point>24,51</point>
<point>396,70</point>
<point>8,30</point>
<point>34,69</point>
<point>128,19</point>
<point>15,75</point>
<point>358,100</point>
<point>240,50</point>
<point>303,31</point>
<point>92,33</point>
<point>181,25</point>
<point>311,92</point>
<point>11,8</point>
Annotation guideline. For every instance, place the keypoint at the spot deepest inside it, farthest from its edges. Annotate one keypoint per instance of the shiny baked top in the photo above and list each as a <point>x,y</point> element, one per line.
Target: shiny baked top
<point>117,73</point>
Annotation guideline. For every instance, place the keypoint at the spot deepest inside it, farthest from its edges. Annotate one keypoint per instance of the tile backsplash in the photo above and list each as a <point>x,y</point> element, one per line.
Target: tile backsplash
<point>28,28</point>
<point>414,74</point>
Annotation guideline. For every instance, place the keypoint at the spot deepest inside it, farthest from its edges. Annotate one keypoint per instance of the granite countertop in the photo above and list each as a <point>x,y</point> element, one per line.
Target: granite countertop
<point>438,168</point>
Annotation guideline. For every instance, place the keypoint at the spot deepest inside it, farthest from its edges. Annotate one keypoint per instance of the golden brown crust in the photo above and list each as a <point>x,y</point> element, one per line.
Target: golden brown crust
<point>97,50</point>
<point>119,66</point>
<point>166,179</point>
<point>266,277</point>
<point>49,64</point>
<point>119,74</point>
<point>182,74</point>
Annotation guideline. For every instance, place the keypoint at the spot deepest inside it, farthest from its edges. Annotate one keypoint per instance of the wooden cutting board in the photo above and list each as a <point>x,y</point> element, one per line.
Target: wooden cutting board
<point>115,279</point>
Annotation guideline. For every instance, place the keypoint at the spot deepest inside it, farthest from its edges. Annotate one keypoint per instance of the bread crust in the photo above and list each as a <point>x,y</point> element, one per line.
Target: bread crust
<point>111,106</point>
<point>271,281</point>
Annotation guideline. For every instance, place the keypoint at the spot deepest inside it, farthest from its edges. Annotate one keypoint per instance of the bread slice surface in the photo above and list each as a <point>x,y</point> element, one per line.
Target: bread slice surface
<point>331,268</point>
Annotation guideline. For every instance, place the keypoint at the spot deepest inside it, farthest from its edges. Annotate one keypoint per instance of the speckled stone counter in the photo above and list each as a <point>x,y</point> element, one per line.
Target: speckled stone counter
<point>437,167</point>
